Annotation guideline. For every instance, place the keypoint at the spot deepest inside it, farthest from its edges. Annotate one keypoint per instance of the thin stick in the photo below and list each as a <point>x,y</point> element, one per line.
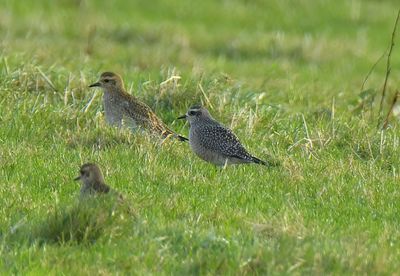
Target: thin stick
<point>66,90</point>
<point>205,96</point>
<point>307,133</point>
<point>172,78</point>
<point>49,82</point>
<point>388,68</point>
<point>373,68</point>
<point>396,97</point>
<point>90,102</point>
<point>333,117</point>
<point>6,65</point>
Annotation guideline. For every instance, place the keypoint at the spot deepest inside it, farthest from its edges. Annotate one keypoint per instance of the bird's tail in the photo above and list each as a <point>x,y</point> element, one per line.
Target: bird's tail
<point>169,133</point>
<point>182,138</point>
<point>265,163</point>
<point>259,161</point>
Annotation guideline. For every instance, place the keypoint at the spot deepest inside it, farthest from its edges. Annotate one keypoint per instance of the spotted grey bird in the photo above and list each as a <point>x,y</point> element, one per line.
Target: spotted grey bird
<point>213,142</point>
<point>92,180</point>
<point>119,107</point>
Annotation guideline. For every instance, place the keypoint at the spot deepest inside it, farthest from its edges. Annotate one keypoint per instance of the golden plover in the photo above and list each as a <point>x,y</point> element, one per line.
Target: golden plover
<point>92,180</point>
<point>119,107</point>
<point>213,142</point>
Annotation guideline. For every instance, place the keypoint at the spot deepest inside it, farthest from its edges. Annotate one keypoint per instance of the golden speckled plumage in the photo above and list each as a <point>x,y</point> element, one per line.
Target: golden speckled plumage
<point>120,106</point>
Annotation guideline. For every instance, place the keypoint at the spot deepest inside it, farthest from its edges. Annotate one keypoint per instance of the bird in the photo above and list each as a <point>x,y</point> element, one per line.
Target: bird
<point>213,142</point>
<point>93,184</point>
<point>92,180</point>
<point>120,106</point>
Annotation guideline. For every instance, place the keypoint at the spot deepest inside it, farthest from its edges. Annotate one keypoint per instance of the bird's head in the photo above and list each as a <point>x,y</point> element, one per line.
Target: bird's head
<point>109,81</point>
<point>196,113</point>
<point>90,174</point>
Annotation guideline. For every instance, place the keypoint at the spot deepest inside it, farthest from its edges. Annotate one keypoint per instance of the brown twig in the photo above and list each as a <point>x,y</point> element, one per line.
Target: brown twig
<point>388,68</point>
<point>373,68</point>
<point>395,99</point>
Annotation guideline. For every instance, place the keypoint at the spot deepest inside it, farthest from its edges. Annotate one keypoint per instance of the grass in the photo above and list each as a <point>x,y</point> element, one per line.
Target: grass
<point>285,76</point>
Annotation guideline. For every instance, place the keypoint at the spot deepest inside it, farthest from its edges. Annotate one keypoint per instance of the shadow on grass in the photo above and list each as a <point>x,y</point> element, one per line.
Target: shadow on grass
<point>84,222</point>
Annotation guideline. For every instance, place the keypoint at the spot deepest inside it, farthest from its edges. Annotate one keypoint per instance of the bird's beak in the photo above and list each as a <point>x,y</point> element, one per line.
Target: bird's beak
<point>182,117</point>
<point>96,84</point>
<point>77,178</point>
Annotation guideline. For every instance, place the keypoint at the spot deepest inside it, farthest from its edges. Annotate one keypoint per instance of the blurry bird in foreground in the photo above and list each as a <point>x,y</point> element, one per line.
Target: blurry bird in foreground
<point>92,180</point>
<point>93,184</point>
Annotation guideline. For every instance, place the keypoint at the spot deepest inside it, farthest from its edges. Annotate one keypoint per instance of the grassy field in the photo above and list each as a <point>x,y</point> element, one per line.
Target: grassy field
<point>285,75</point>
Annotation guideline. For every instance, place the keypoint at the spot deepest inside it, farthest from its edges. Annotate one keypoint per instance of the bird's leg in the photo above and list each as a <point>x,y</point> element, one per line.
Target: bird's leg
<point>226,164</point>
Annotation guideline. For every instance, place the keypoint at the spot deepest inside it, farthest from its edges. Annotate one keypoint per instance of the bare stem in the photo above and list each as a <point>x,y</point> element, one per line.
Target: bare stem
<point>395,99</point>
<point>388,68</point>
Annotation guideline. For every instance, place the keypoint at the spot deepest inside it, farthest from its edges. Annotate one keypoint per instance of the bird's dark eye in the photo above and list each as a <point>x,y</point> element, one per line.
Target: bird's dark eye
<point>106,80</point>
<point>192,113</point>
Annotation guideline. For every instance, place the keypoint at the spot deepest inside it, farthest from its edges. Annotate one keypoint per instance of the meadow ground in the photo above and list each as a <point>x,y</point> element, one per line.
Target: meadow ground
<point>285,75</point>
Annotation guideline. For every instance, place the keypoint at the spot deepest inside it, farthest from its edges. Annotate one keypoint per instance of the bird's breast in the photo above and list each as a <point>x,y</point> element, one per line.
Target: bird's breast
<point>112,110</point>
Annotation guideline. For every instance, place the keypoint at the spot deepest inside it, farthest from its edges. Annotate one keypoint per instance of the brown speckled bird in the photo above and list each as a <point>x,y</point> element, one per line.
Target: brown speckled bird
<point>119,107</point>
<point>92,180</point>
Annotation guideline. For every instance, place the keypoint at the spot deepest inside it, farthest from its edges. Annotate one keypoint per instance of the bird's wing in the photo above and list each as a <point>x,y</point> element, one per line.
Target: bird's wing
<point>145,117</point>
<point>222,140</point>
<point>102,188</point>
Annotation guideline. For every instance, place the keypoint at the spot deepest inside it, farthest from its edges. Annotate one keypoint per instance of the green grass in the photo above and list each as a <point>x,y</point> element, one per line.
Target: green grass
<point>285,75</point>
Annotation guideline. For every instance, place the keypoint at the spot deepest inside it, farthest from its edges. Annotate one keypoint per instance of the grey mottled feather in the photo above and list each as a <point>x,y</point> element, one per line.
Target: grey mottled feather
<point>222,140</point>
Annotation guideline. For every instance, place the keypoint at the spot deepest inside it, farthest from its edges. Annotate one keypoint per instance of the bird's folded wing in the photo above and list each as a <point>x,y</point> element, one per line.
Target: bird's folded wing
<point>222,140</point>
<point>145,117</point>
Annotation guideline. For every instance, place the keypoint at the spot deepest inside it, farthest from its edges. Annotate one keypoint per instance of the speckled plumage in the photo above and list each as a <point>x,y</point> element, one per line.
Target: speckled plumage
<point>92,180</point>
<point>213,142</point>
<point>122,108</point>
